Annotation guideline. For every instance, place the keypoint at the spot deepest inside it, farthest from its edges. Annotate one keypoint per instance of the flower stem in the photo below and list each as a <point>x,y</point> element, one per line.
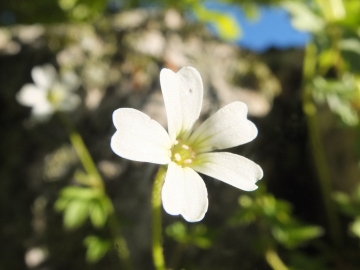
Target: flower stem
<point>96,181</point>
<point>120,242</point>
<point>317,148</point>
<point>274,260</point>
<point>82,152</point>
<point>157,249</point>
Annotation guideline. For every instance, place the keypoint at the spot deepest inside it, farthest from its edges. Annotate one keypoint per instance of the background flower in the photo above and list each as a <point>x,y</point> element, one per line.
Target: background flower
<point>49,93</point>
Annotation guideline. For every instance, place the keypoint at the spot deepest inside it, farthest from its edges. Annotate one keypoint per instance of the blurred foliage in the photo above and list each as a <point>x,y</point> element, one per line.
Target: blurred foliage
<point>277,225</point>
<point>274,216</point>
<point>225,24</point>
<point>350,206</point>
<point>80,203</point>
<point>96,248</point>
<point>335,29</point>
<point>196,236</point>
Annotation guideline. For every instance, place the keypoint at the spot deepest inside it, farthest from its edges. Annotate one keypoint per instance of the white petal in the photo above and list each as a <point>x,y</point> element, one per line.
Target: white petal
<point>71,102</point>
<point>42,111</point>
<point>228,127</point>
<point>29,95</point>
<point>234,170</point>
<point>140,138</point>
<point>172,192</point>
<point>70,81</point>
<point>196,198</point>
<point>183,94</point>
<point>44,76</point>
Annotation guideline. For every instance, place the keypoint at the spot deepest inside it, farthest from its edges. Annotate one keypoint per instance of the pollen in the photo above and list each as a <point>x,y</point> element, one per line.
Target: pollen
<point>182,153</point>
<point>177,157</point>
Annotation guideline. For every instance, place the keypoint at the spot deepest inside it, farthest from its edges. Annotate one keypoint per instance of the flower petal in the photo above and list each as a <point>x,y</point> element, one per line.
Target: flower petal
<point>196,198</point>
<point>42,111</point>
<point>44,76</point>
<point>184,192</point>
<point>172,192</point>
<point>183,94</point>
<point>30,95</point>
<point>234,170</point>
<point>140,138</point>
<point>228,127</point>
<point>70,103</point>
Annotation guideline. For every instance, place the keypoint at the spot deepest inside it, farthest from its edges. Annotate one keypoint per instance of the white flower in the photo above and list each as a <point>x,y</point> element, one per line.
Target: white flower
<point>186,151</point>
<point>49,94</point>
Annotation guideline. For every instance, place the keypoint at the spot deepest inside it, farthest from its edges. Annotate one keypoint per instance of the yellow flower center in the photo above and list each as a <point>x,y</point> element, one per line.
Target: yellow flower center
<point>182,154</point>
<point>55,96</point>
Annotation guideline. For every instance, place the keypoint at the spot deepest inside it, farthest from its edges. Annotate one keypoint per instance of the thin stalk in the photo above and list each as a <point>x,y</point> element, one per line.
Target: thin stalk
<point>176,257</point>
<point>96,181</point>
<point>274,260</point>
<point>317,148</point>
<point>120,243</point>
<point>270,254</point>
<point>157,250</point>
<point>83,153</point>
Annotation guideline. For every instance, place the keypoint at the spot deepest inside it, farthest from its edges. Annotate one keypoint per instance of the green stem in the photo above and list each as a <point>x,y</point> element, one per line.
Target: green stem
<point>176,257</point>
<point>157,249</point>
<point>120,242</point>
<point>83,153</point>
<point>317,148</point>
<point>96,181</point>
<point>274,260</point>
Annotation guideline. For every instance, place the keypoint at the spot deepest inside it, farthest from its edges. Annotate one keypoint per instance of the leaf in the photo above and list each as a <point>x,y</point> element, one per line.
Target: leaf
<point>81,193</point>
<point>98,215</point>
<point>177,231</point>
<point>226,25</point>
<point>355,227</point>
<point>294,236</point>
<point>303,18</point>
<point>96,248</point>
<point>61,203</point>
<point>76,213</point>
<point>202,242</point>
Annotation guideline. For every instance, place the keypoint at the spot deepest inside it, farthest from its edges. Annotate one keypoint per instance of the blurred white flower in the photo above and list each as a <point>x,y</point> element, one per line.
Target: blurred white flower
<point>140,138</point>
<point>35,256</point>
<point>49,93</point>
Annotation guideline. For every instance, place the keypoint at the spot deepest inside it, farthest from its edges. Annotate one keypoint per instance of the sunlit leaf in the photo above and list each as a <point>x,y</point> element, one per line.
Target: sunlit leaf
<point>178,231</point>
<point>303,18</point>
<point>81,193</point>
<point>61,203</point>
<point>98,215</point>
<point>76,213</point>
<point>294,236</point>
<point>226,25</point>
<point>96,248</point>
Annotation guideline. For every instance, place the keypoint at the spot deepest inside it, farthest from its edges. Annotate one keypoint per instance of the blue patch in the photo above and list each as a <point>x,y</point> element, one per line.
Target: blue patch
<point>272,28</point>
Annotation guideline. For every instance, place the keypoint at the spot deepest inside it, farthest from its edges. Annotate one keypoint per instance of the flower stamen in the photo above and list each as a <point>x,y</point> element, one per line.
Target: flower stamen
<point>182,154</point>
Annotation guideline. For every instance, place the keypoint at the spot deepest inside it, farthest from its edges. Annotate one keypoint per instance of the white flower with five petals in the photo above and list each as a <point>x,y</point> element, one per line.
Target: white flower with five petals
<point>49,93</point>
<point>187,151</point>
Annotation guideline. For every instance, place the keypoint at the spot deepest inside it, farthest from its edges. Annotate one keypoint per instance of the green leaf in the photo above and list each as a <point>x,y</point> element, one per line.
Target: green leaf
<point>202,242</point>
<point>355,227</point>
<point>61,203</point>
<point>303,18</point>
<point>76,213</point>
<point>177,231</point>
<point>98,215</point>
<point>226,25</point>
<point>292,237</point>
<point>81,193</point>
<point>96,248</point>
